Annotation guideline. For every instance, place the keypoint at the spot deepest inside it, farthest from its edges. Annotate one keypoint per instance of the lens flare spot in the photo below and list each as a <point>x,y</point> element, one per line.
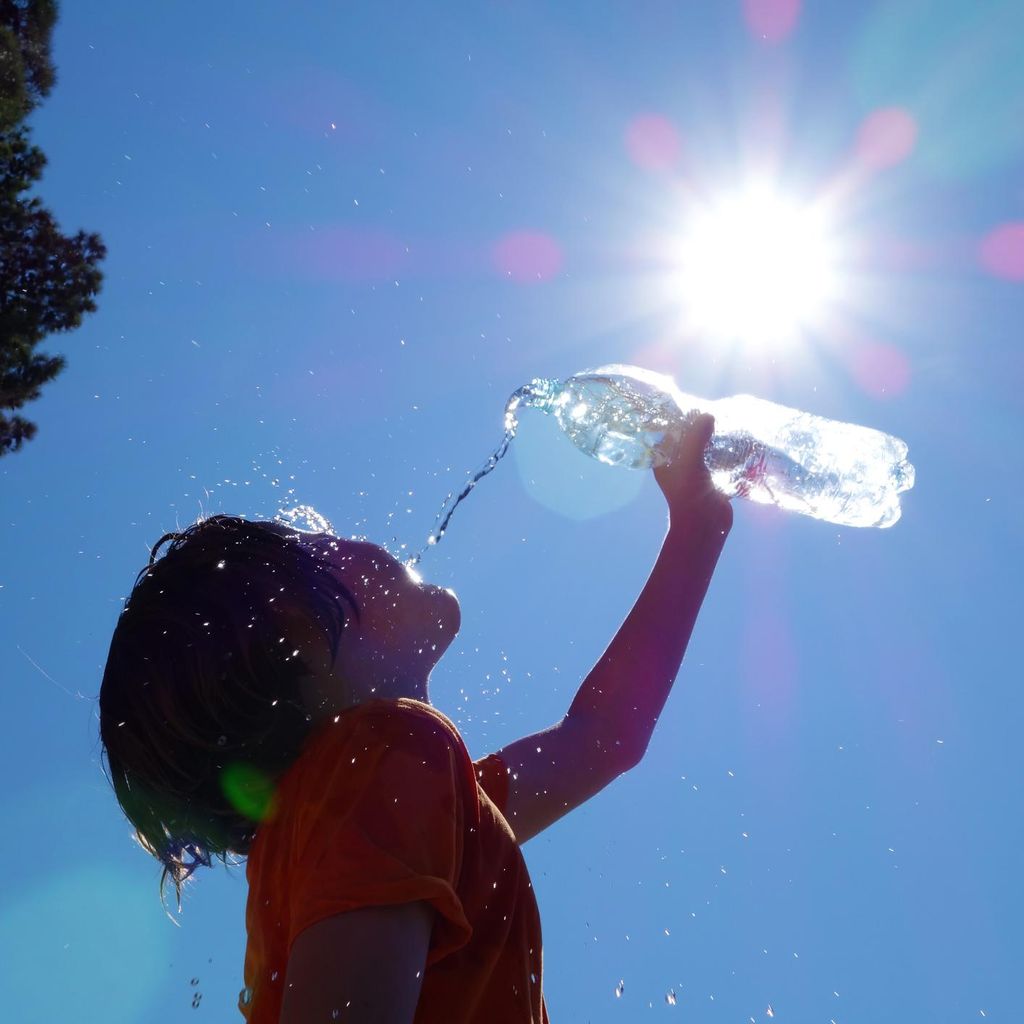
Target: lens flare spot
<point>769,665</point>
<point>556,476</point>
<point>340,253</point>
<point>887,137</point>
<point>881,370</point>
<point>250,791</point>
<point>653,142</point>
<point>527,256</point>
<point>90,931</point>
<point>1002,251</point>
<point>771,20</point>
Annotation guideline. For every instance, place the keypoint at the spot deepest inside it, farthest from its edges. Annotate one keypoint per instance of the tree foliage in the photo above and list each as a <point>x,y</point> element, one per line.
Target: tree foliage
<point>48,280</point>
<point>27,73</point>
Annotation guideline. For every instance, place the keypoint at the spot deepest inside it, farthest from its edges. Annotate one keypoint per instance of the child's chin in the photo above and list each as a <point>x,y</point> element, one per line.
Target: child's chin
<point>447,613</point>
<point>456,612</point>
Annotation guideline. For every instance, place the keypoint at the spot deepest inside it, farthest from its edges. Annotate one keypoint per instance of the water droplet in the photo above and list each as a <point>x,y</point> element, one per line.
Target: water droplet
<point>196,1000</point>
<point>222,741</point>
<point>770,1012</point>
<point>313,521</point>
<point>193,982</point>
<point>670,997</point>
<point>273,975</point>
<point>245,996</point>
<point>619,989</point>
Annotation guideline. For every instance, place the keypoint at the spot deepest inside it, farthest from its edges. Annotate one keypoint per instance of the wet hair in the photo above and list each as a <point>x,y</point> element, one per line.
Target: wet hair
<point>201,708</point>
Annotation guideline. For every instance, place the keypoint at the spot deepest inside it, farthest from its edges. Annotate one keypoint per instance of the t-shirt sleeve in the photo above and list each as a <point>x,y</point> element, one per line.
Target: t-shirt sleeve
<point>492,774</point>
<point>385,827</point>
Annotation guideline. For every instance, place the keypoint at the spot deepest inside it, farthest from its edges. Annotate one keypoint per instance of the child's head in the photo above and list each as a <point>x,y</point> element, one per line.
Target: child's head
<point>229,651</point>
<point>202,702</point>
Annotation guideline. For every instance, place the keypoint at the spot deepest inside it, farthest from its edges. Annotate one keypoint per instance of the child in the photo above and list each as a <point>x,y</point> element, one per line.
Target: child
<point>266,695</point>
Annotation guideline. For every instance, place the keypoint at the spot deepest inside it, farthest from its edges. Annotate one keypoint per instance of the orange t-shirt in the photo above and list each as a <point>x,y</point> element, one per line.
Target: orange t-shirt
<point>385,806</point>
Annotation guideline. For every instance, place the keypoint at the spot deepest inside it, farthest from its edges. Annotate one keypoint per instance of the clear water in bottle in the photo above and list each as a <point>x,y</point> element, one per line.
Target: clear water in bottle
<point>769,453</point>
<point>838,472</point>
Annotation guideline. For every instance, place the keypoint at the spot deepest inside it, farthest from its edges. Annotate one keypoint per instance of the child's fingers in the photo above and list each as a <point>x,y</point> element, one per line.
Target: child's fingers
<point>697,438</point>
<point>685,473</point>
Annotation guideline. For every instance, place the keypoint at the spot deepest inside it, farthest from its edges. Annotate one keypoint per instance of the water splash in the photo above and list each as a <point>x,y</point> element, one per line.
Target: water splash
<point>532,395</point>
<point>304,519</point>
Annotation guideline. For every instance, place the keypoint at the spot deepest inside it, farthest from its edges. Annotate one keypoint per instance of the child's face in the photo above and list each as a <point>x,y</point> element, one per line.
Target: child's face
<point>404,625</point>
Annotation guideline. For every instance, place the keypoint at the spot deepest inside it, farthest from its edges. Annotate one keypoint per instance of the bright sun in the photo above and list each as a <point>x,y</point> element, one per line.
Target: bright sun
<point>757,267</point>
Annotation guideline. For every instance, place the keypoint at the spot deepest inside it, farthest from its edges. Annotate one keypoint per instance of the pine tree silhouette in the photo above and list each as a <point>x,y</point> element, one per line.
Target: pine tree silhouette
<point>48,280</point>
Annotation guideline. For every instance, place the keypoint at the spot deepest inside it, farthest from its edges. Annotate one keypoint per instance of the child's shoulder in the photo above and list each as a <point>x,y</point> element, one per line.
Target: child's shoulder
<point>381,727</point>
<point>397,716</point>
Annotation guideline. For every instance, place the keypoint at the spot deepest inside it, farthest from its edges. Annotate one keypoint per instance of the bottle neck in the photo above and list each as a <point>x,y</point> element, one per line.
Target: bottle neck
<point>540,393</point>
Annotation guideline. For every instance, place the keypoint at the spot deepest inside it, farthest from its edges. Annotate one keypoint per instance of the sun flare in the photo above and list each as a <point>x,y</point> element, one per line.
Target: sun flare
<point>757,267</point>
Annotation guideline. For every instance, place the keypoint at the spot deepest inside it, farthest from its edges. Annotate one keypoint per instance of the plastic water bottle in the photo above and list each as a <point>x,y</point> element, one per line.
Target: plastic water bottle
<point>627,416</point>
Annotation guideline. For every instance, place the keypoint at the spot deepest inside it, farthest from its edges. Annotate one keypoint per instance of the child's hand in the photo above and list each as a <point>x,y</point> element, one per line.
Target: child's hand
<point>686,482</point>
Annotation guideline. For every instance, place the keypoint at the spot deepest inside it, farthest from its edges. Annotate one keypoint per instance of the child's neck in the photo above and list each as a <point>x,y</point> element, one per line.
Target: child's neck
<point>342,697</point>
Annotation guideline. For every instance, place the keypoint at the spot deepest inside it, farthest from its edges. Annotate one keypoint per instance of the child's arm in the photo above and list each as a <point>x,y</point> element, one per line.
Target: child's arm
<point>364,965</point>
<point>610,721</point>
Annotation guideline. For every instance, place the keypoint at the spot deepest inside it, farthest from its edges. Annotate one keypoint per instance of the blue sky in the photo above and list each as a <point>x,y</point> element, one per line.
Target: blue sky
<point>340,236</point>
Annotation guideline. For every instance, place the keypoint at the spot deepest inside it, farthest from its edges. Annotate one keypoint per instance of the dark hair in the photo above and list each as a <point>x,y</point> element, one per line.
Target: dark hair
<point>200,705</point>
